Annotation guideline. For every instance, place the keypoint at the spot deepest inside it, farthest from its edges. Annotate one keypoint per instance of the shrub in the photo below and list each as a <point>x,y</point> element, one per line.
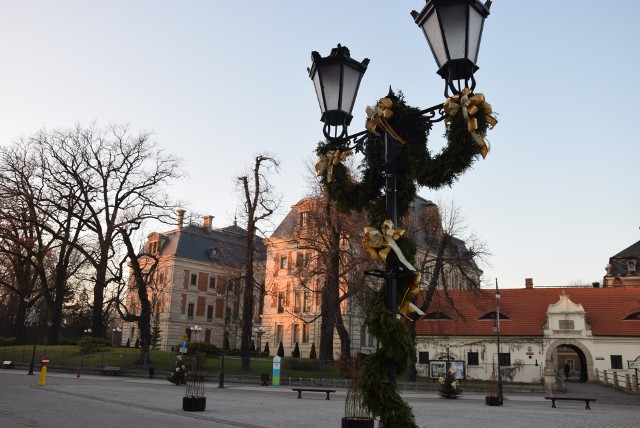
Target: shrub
<point>137,344</point>
<point>281,350</point>
<point>266,349</point>
<point>302,364</point>
<point>296,351</point>
<point>204,348</point>
<point>128,345</point>
<point>7,341</point>
<point>88,344</point>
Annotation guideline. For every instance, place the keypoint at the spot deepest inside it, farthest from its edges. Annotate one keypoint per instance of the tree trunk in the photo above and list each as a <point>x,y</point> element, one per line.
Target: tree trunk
<point>247,300</point>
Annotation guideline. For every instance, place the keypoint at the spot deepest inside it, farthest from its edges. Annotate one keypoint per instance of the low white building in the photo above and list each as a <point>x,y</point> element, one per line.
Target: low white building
<point>541,330</point>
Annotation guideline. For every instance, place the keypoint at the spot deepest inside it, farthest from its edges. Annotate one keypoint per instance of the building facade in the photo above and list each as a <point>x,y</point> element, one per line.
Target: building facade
<point>197,284</point>
<point>540,331</point>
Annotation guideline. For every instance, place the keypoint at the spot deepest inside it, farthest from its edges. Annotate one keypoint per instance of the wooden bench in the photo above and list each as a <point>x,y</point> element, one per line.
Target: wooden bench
<point>585,399</point>
<point>108,369</point>
<point>327,391</point>
<point>7,364</point>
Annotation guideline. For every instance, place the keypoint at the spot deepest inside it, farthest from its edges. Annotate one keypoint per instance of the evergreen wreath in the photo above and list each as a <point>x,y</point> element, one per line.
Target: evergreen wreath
<point>416,167</point>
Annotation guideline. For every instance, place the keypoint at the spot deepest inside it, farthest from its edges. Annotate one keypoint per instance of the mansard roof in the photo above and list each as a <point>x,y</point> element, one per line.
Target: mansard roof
<point>224,246</point>
<point>618,263</point>
<point>606,310</point>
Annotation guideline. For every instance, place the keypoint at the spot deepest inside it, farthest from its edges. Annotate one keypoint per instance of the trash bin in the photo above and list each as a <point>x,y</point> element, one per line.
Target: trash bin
<point>264,377</point>
<point>152,371</point>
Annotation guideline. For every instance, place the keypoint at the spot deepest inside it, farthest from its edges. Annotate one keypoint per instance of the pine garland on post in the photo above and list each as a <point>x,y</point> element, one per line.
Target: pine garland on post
<point>469,117</point>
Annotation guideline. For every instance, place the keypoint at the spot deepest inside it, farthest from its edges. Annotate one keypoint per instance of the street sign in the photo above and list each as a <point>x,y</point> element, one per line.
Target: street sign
<point>184,344</point>
<point>634,364</point>
<point>45,361</point>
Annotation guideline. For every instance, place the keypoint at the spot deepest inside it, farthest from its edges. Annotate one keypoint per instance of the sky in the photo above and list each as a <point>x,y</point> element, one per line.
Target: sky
<point>218,82</point>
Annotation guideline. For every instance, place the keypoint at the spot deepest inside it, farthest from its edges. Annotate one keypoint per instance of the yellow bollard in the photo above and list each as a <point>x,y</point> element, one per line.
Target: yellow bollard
<point>43,376</point>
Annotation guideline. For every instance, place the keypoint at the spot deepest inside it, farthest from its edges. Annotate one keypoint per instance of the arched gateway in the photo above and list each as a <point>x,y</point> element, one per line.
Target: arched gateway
<point>586,359</point>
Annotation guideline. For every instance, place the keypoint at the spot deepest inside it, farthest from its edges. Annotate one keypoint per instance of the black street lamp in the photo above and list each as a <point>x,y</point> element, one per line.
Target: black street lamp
<point>500,400</point>
<point>225,337</point>
<point>453,29</point>
<point>195,330</point>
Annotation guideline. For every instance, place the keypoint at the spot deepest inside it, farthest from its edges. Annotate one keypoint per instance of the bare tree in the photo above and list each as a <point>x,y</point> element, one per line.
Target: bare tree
<point>119,180</point>
<point>258,204</point>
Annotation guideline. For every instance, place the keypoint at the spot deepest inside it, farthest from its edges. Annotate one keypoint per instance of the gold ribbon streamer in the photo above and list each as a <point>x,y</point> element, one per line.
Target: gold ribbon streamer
<point>325,163</point>
<point>379,244</point>
<point>470,104</point>
<point>379,117</point>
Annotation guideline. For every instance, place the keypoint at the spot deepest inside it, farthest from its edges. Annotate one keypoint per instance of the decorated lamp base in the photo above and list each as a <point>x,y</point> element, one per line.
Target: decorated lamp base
<point>194,404</point>
<point>492,401</point>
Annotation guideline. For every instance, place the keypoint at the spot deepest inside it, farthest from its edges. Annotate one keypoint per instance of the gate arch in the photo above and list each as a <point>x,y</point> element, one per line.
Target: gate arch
<point>586,359</point>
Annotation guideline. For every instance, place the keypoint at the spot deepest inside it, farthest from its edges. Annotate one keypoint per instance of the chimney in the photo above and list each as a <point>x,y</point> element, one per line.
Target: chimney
<point>528,282</point>
<point>207,222</point>
<point>180,219</point>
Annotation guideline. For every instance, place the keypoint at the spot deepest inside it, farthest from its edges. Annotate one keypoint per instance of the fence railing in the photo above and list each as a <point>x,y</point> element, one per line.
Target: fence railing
<point>621,381</point>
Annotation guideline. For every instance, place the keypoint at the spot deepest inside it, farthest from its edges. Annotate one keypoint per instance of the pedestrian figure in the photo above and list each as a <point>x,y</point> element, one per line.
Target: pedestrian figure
<point>567,368</point>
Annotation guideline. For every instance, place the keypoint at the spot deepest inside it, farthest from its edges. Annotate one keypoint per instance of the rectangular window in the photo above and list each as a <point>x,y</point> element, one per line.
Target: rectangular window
<point>210,313</point>
<point>616,361</point>
<point>283,262</point>
<point>423,358</point>
<point>193,279</point>
<point>279,334</point>
<point>219,308</point>
<point>212,282</point>
<point>306,302</point>
<point>295,332</point>
<point>297,301</point>
<point>190,311</point>
<point>299,260</point>
<point>280,302</point>
<point>472,359</point>
<point>505,359</point>
<point>207,336</point>
<point>566,324</point>
<point>305,333</point>
<point>304,218</point>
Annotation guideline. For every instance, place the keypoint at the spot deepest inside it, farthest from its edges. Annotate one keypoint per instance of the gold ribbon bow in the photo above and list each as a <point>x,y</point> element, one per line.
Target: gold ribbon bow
<point>325,163</point>
<point>379,117</point>
<point>379,244</point>
<point>470,104</point>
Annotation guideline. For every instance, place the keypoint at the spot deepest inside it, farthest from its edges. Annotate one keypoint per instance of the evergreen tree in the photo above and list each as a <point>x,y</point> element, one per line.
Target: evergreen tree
<point>313,354</point>
<point>179,373</point>
<point>266,349</point>
<point>137,344</point>
<point>296,351</point>
<point>281,350</point>
<point>155,332</point>
<point>128,345</point>
<point>449,385</point>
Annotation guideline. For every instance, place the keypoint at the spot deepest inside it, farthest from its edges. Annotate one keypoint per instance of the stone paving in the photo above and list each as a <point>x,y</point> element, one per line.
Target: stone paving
<point>110,401</point>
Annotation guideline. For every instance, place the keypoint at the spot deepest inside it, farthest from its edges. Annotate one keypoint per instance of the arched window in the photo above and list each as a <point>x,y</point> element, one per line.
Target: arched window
<point>634,316</point>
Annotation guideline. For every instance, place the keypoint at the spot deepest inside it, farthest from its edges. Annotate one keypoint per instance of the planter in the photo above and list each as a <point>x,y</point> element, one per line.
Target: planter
<point>357,422</point>
<point>493,401</point>
<point>194,404</point>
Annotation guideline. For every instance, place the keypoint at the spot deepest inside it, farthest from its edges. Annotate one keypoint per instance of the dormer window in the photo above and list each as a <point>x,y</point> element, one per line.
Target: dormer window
<point>633,317</point>
<point>631,267</point>
<point>437,315</point>
<point>492,316</point>
<point>304,218</point>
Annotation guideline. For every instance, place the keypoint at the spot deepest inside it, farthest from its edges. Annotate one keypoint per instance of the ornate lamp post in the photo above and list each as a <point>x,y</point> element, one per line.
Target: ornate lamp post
<point>195,330</point>
<point>259,332</point>
<point>115,336</point>
<point>453,29</point>
<point>500,398</point>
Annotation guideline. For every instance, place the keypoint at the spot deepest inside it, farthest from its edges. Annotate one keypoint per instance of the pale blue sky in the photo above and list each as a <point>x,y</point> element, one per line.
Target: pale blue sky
<point>219,81</point>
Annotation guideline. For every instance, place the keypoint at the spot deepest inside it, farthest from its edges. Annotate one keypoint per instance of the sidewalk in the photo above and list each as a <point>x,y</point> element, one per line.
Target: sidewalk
<point>111,401</point>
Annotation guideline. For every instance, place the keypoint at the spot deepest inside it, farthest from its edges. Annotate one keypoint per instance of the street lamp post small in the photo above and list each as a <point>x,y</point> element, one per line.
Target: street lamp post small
<point>259,332</point>
<point>195,330</point>
<point>115,334</point>
<point>500,401</point>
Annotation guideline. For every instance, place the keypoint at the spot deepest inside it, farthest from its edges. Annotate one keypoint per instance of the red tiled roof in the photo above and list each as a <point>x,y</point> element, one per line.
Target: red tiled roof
<point>526,308</point>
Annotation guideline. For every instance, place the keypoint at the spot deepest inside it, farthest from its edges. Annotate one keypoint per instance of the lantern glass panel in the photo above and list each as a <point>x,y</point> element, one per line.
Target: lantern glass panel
<point>350,88</point>
<point>454,23</point>
<point>331,85</point>
<point>475,30</point>
<point>431,29</point>
<point>319,94</point>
